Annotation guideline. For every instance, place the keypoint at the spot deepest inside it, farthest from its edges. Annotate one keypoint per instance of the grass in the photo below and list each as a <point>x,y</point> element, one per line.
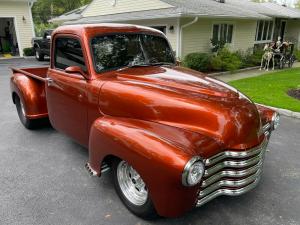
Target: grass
<point>271,89</point>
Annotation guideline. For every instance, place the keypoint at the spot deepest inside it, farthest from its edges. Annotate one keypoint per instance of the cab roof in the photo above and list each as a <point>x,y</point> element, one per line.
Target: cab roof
<point>104,28</point>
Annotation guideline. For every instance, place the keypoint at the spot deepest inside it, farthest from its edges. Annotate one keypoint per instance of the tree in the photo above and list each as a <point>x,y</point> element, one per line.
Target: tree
<point>43,10</point>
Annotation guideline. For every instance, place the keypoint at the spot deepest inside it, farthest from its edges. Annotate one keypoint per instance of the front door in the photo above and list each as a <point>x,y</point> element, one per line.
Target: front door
<point>282,30</point>
<point>66,93</point>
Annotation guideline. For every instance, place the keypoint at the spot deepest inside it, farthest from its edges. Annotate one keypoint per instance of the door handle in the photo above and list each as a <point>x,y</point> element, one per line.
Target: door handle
<point>50,82</point>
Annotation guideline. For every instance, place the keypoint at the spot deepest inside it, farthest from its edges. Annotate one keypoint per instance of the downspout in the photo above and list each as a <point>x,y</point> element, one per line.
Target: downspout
<point>180,34</point>
<point>30,4</point>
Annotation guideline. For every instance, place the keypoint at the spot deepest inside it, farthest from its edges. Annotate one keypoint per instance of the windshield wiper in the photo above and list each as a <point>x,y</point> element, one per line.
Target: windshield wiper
<point>161,64</point>
<point>130,65</point>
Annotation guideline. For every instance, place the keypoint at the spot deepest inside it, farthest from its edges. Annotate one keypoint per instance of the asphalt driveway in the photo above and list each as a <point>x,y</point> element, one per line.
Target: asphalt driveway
<point>43,180</point>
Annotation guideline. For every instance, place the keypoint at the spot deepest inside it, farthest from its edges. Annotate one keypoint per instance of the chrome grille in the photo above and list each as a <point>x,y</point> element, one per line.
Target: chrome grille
<point>232,173</point>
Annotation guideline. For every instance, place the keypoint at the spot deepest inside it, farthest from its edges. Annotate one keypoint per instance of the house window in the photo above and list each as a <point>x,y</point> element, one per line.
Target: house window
<point>264,31</point>
<point>223,32</point>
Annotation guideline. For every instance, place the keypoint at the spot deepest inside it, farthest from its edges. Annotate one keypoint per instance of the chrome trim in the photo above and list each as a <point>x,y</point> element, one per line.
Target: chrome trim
<point>265,128</point>
<point>229,192</point>
<point>276,114</point>
<point>233,164</point>
<point>235,154</point>
<point>92,172</point>
<point>186,170</point>
<point>230,183</point>
<point>232,173</point>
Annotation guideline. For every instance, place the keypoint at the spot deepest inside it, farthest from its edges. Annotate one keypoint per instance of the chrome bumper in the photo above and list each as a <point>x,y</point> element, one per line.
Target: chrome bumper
<point>232,173</point>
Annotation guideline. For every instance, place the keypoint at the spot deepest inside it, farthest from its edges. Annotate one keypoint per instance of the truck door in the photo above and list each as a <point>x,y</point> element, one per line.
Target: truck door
<point>66,92</point>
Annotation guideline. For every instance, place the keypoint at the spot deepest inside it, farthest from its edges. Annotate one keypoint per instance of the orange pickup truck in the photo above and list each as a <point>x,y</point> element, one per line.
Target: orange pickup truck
<point>173,138</point>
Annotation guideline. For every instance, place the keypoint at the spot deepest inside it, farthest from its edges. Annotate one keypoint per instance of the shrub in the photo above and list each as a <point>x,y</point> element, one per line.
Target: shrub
<point>198,61</point>
<point>226,61</point>
<point>250,57</point>
<point>297,54</point>
<point>28,51</point>
<point>217,45</point>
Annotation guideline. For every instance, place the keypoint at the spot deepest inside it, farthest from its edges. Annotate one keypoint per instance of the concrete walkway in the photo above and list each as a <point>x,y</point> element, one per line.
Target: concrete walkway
<point>246,74</point>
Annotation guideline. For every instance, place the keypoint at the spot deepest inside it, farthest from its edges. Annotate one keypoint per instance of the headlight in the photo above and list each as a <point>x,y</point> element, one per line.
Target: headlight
<point>193,172</point>
<point>275,120</point>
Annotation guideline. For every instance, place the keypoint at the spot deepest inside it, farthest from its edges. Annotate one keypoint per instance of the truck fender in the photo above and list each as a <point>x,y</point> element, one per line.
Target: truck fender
<point>32,93</point>
<point>159,161</point>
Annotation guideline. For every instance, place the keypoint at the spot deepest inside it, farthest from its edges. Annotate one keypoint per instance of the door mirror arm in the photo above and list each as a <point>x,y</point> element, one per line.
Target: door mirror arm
<point>76,69</point>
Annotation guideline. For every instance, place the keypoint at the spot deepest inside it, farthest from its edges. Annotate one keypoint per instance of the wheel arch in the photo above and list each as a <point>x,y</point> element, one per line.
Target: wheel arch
<point>32,93</point>
<point>161,169</point>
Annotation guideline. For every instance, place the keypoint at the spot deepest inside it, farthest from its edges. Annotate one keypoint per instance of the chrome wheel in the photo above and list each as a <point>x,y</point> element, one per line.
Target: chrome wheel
<point>131,184</point>
<point>37,54</point>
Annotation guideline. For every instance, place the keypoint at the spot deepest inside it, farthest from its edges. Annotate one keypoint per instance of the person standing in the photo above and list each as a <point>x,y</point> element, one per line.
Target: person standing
<point>9,36</point>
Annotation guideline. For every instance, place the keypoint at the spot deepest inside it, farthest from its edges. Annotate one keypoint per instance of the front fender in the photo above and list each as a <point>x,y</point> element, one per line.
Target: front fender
<point>149,148</point>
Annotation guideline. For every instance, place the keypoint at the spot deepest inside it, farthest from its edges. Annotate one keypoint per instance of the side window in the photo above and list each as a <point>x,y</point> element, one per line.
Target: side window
<point>68,52</point>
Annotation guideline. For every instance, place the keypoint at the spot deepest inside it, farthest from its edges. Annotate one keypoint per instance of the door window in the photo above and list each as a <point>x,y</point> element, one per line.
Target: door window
<point>68,52</point>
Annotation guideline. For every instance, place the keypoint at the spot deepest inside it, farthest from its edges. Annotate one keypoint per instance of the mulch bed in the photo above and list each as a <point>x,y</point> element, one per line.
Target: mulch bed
<point>295,93</point>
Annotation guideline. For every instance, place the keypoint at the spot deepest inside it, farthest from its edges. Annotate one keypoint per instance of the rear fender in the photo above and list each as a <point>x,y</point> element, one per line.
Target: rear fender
<point>32,93</point>
<point>159,161</point>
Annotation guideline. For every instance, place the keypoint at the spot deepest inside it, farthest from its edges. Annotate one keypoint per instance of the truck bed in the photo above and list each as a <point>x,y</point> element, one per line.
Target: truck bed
<point>39,73</point>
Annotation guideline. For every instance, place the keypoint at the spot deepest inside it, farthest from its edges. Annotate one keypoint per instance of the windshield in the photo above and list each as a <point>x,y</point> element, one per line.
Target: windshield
<point>121,50</point>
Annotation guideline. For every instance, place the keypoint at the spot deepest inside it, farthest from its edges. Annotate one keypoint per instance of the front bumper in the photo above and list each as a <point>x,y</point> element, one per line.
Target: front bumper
<point>232,173</point>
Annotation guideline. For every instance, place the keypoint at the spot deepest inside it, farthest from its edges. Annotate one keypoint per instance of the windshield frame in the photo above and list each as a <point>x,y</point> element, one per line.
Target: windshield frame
<point>126,33</point>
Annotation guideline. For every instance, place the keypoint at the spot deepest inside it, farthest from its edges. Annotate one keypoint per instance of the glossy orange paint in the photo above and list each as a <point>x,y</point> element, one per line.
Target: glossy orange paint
<point>31,91</point>
<point>156,118</point>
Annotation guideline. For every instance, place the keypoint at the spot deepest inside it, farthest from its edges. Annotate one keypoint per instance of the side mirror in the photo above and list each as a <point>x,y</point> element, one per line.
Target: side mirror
<point>75,69</point>
<point>48,37</point>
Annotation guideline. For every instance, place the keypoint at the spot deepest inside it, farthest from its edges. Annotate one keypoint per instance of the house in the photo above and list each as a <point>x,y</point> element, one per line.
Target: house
<point>191,24</point>
<point>69,16</point>
<point>16,26</point>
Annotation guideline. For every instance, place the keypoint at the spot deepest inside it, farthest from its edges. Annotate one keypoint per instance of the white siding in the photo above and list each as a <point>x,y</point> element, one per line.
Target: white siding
<point>196,38</point>
<point>171,35</point>
<point>106,7</point>
<point>23,28</point>
<point>244,34</point>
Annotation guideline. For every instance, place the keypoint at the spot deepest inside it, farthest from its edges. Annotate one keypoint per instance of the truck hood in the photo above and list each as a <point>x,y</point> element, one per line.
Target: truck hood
<point>185,99</point>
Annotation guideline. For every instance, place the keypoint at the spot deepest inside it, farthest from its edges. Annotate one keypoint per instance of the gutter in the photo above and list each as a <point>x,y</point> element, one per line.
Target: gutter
<point>179,40</point>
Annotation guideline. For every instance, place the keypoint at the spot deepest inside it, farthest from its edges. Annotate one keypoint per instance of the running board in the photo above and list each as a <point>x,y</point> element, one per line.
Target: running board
<point>93,173</point>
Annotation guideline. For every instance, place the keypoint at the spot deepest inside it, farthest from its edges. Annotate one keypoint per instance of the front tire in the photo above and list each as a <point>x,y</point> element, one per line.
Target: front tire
<point>38,55</point>
<point>132,190</point>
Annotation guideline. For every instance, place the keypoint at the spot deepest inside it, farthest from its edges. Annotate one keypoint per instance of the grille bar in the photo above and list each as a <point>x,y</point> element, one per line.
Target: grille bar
<point>232,173</point>
<point>232,154</point>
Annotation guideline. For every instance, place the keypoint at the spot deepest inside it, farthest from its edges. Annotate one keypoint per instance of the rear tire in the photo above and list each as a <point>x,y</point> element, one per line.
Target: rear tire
<point>132,190</point>
<point>38,55</point>
<point>28,123</point>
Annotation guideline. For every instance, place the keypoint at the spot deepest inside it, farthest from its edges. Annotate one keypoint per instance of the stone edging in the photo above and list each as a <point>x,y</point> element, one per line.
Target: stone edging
<point>284,112</point>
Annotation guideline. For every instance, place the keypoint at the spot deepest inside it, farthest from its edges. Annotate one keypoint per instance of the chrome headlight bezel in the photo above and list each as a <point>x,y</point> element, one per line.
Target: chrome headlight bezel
<point>191,164</point>
<point>275,120</point>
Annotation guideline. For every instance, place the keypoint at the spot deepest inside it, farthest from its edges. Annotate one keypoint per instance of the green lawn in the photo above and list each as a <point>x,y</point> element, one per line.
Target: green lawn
<point>271,89</point>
